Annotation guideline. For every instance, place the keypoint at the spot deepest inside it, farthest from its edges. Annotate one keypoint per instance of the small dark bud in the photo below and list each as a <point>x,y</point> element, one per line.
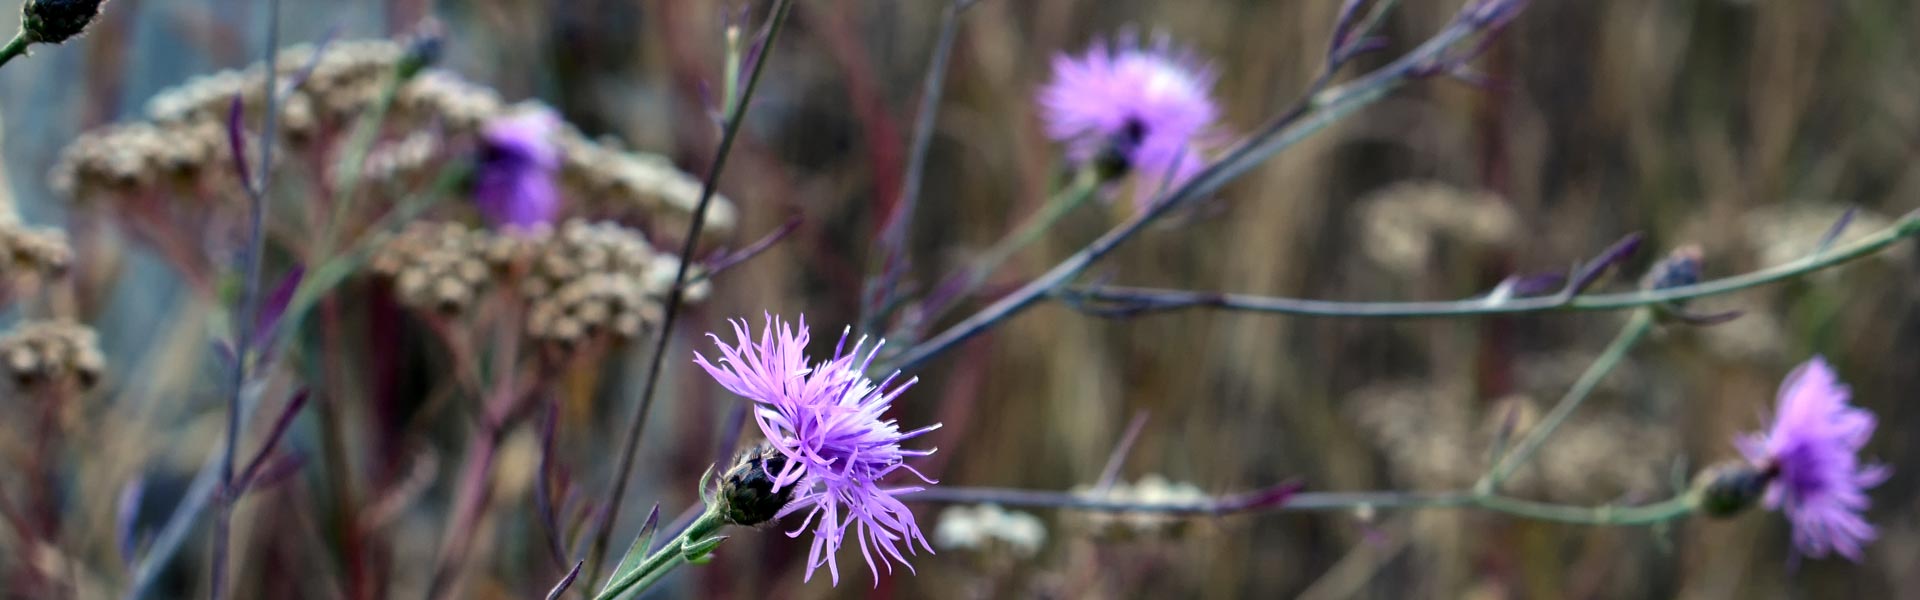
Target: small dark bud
<point>1681,268</point>
<point>424,47</point>
<point>56,21</point>
<point>1729,488</point>
<point>1116,159</point>
<point>746,490</point>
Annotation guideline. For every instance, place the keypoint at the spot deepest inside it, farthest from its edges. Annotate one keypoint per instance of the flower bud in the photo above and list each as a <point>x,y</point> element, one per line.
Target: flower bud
<point>424,47</point>
<point>1729,488</point>
<point>56,21</point>
<point>1115,160</point>
<point>746,494</point>
<point>1680,268</point>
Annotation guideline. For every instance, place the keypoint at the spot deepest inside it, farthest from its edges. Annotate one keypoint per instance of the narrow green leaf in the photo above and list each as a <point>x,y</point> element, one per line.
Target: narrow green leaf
<point>701,552</point>
<point>706,486</point>
<point>637,551</point>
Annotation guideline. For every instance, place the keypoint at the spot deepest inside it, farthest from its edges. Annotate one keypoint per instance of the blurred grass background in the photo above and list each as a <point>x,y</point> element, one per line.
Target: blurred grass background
<point>1742,126</point>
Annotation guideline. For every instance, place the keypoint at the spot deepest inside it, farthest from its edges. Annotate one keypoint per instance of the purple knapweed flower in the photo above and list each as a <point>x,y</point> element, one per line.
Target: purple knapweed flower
<point>514,185</point>
<point>1145,110</point>
<point>1809,456</point>
<point>826,419</point>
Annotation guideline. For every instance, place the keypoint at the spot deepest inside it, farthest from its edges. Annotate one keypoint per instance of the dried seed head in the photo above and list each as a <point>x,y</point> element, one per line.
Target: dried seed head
<point>586,279</point>
<point>582,281</point>
<point>436,266</point>
<point>442,97</point>
<point>51,353</point>
<point>440,113</point>
<point>24,250</point>
<point>410,159</point>
<point>625,182</point>
<point>181,160</point>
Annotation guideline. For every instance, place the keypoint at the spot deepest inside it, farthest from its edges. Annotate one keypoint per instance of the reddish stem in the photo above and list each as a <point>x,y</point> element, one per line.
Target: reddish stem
<point>45,507</point>
<point>469,504</point>
<point>504,406</point>
<point>346,515</point>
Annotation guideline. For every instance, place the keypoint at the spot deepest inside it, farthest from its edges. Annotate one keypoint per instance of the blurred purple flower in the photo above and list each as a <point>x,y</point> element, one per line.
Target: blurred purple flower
<point>1809,455</point>
<point>515,184</point>
<point>826,419</point>
<point>1133,109</point>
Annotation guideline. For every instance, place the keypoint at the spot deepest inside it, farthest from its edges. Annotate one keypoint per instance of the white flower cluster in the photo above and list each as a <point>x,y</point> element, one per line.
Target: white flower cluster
<point>987,528</point>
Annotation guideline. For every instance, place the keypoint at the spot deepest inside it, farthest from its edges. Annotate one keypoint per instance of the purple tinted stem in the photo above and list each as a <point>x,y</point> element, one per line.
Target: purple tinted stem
<point>1275,497</point>
<point>1130,301</point>
<point>543,486</point>
<point>899,226</point>
<point>560,588</point>
<point>250,259</point>
<point>280,426</point>
<point>1118,457</point>
<point>732,259</point>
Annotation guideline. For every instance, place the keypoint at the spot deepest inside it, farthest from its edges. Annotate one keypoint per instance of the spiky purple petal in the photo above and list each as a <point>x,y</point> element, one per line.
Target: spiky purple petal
<point>1812,450</point>
<point>827,419</point>
<point>1149,106</point>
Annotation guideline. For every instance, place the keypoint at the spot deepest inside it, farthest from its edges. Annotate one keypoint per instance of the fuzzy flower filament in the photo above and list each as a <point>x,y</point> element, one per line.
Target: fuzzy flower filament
<point>1809,456</point>
<point>827,420</point>
<point>1124,108</point>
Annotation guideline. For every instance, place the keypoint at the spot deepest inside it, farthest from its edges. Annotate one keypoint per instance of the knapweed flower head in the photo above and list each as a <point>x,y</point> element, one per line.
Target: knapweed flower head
<point>827,420</point>
<point>515,186</point>
<point>1810,458</point>
<point>1123,107</point>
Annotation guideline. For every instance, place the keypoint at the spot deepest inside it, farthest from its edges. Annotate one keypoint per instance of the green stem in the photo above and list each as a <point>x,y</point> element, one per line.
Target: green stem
<point>1665,510</point>
<point>730,71</point>
<point>1608,515</point>
<point>669,557</point>
<point>1057,207</point>
<point>1133,301</point>
<point>1659,512</point>
<point>1062,203</point>
<point>366,131</point>
<point>1636,328</point>
<point>336,269</point>
<point>663,333</point>
<point>15,48</point>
